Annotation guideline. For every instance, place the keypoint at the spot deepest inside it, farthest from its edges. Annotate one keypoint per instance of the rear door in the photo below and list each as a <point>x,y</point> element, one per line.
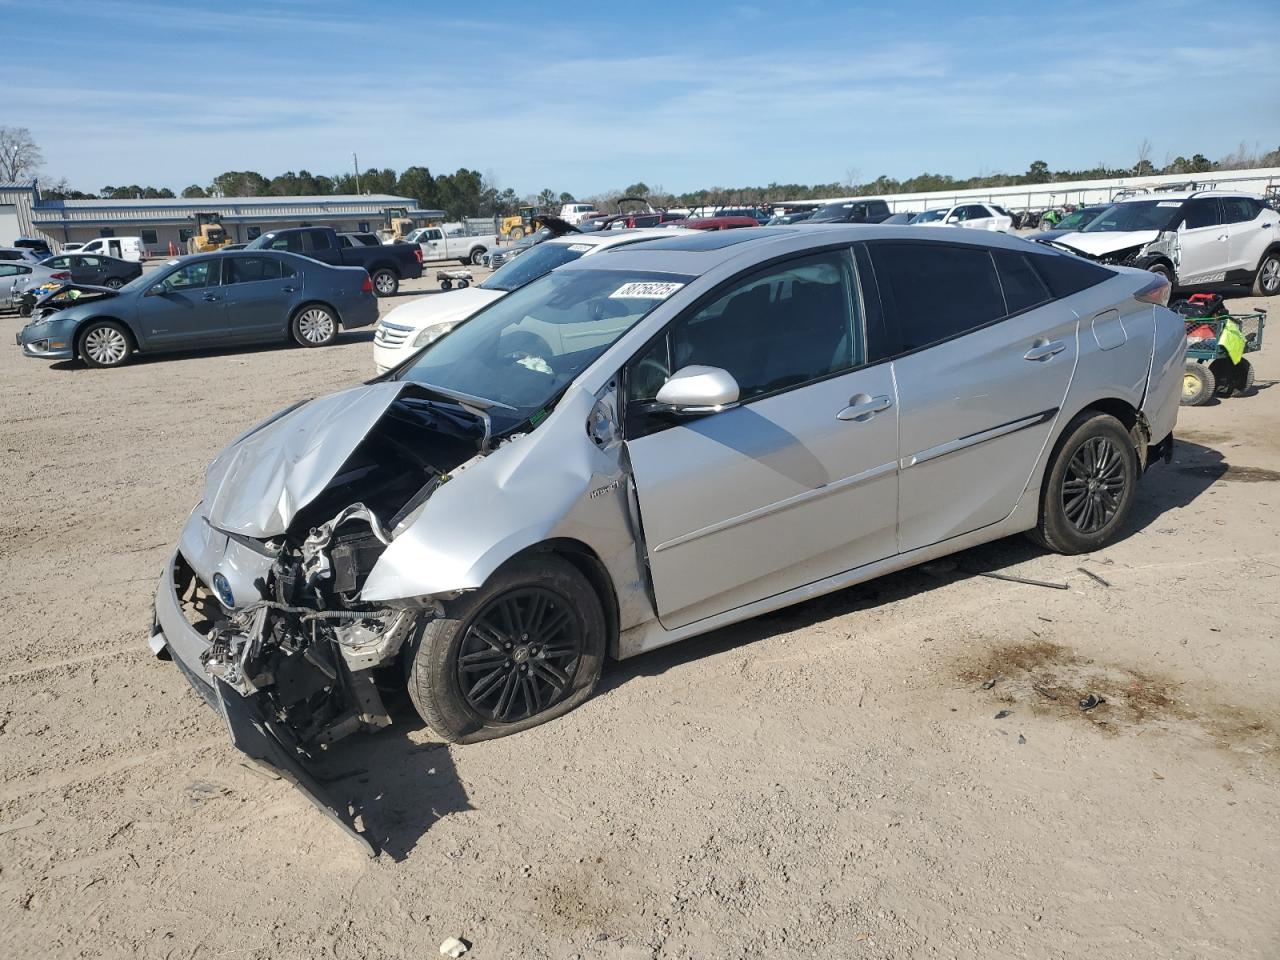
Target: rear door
<point>185,307</point>
<point>259,294</point>
<point>1202,242</point>
<point>88,270</point>
<point>984,360</point>
<point>796,483</point>
<point>321,245</point>
<point>1248,234</point>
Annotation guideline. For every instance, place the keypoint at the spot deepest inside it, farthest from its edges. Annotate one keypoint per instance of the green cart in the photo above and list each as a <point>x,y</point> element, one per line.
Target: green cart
<point>1210,371</point>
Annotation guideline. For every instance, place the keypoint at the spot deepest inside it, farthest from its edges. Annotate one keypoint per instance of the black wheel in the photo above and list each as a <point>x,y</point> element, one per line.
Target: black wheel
<point>1198,384</point>
<point>1090,485</point>
<point>463,284</point>
<point>115,283</point>
<point>446,284</point>
<point>1231,379</point>
<point>105,343</point>
<point>477,256</point>
<point>526,647</point>
<point>1161,269</point>
<point>1266,283</point>
<point>385,282</point>
<point>315,326</point>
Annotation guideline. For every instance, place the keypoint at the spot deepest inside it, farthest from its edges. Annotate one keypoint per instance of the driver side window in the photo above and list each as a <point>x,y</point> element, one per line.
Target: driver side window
<point>773,330</point>
<point>192,276</point>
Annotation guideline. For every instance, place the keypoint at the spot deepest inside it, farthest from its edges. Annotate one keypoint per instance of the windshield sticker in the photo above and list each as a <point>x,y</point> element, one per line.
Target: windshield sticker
<point>645,291</point>
<point>1169,203</point>
<point>536,364</point>
<point>579,247</point>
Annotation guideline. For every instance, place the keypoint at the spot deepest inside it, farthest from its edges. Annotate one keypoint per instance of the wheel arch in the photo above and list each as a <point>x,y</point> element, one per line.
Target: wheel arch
<point>588,563</point>
<point>313,302</point>
<point>78,334</point>
<point>1272,249</point>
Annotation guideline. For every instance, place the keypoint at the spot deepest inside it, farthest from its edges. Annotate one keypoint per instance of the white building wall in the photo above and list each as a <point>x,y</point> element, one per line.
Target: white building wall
<point>9,229</point>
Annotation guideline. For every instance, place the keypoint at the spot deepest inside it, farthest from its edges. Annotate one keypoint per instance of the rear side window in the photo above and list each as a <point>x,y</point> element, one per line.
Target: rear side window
<point>1023,287</point>
<point>1239,209</point>
<point>317,240</point>
<point>251,269</point>
<point>934,291</point>
<point>1065,274</point>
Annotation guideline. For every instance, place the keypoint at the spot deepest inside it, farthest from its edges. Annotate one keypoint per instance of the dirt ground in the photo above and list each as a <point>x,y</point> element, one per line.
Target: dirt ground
<point>829,781</point>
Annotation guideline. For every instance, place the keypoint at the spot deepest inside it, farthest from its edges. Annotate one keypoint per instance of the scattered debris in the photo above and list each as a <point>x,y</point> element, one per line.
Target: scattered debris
<point>1045,619</point>
<point>1156,775</point>
<point>1027,581</point>
<point>1093,576</point>
<point>1044,691</point>
<point>990,683</point>
<point>1091,701</point>
<point>201,790</point>
<point>1004,713</point>
<point>453,947</point>
<point>1021,738</point>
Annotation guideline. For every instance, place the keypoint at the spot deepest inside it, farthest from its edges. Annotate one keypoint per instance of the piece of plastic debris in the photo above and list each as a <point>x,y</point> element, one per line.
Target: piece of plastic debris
<point>1093,576</point>
<point>1021,738</point>
<point>1004,713</point>
<point>990,683</point>
<point>1156,775</point>
<point>453,947</point>
<point>1028,582</point>
<point>1091,701</point>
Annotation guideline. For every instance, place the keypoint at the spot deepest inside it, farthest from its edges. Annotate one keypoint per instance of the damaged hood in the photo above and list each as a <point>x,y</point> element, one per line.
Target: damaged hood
<point>258,484</point>
<point>449,307</point>
<point>1101,243</point>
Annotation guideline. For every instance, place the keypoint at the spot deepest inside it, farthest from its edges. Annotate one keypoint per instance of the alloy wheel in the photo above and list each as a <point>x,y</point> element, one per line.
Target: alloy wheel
<point>315,325</point>
<point>1271,275</point>
<point>519,655</point>
<point>1094,486</point>
<point>106,346</point>
<point>384,283</point>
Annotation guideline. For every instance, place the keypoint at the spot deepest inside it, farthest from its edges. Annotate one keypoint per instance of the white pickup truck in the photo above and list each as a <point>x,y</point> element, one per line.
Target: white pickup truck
<point>452,242</point>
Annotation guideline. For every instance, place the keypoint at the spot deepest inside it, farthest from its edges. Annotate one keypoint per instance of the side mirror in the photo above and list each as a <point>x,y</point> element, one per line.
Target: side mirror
<point>156,291</point>
<point>696,390</point>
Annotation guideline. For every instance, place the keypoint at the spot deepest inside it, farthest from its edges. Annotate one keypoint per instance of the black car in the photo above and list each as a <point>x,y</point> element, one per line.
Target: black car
<point>94,269</point>
<point>851,211</point>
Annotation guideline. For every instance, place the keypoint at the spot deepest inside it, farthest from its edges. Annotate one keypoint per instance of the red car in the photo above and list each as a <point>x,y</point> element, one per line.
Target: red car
<point>716,223</point>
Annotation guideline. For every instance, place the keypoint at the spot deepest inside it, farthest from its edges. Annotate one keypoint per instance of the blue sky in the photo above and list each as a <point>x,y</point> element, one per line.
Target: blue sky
<point>589,97</point>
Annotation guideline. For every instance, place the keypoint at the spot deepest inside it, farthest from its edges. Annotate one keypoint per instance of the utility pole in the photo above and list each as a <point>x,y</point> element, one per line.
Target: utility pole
<point>356,163</point>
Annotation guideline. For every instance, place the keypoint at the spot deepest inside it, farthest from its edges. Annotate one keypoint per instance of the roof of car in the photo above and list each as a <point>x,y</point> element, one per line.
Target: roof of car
<point>612,237</point>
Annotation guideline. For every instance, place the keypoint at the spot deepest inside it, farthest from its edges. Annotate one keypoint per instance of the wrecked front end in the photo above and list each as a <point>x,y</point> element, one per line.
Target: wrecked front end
<point>261,604</point>
<point>1131,250</point>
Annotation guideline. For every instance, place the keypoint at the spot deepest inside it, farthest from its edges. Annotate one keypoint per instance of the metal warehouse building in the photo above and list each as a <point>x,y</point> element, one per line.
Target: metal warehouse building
<point>161,223</point>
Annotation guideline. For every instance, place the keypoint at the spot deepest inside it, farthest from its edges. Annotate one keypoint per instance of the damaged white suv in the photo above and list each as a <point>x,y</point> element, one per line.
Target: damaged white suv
<point>1192,238</point>
<point>648,444</point>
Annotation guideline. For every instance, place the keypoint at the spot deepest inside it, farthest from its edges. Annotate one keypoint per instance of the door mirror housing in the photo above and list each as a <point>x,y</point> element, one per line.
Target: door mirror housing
<point>697,390</point>
<point>156,290</point>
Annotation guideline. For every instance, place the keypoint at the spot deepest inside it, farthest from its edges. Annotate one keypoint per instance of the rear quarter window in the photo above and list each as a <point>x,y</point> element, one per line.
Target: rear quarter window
<point>1023,287</point>
<point>1064,274</point>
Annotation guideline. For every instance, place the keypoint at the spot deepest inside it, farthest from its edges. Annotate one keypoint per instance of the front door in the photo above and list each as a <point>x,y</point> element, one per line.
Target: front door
<point>258,296</point>
<point>433,247</point>
<point>985,363</point>
<point>798,481</point>
<point>1202,242</point>
<point>185,307</point>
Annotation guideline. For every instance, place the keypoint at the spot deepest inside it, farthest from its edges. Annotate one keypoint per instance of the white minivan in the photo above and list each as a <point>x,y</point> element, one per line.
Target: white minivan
<point>122,248</point>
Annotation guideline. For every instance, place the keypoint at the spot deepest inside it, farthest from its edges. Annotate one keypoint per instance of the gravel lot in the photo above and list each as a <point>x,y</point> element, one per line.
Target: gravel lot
<point>828,781</point>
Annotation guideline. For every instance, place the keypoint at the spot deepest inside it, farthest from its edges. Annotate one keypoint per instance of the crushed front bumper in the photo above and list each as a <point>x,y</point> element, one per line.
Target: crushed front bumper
<point>250,728</point>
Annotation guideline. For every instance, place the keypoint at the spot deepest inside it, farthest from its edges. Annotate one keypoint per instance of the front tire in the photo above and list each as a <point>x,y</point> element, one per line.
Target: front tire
<point>525,648</point>
<point>1090,486</point>
<point>1266,283</point>
<point>105,343</point>
<point>314,326</point>
<point>477,256</point>
<point>385,282</point>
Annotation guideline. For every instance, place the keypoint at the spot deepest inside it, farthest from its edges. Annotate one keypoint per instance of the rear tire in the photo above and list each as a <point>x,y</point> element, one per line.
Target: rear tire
<point>1232,379</point>
<point>105,343</point>
<point>1266,282</point>
<point>115,283</point>
<point>1090,486</point>
<point>550,650</point>
<point>446,284</point>
<point>385,282</point>
<point>477,256</point>
<point>517,233</point>
<point>1198,384</point>
<point>314,326</point>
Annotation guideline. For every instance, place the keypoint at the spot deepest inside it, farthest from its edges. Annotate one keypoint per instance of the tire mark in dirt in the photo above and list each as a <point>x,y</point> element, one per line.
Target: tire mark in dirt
<point>29,786</point>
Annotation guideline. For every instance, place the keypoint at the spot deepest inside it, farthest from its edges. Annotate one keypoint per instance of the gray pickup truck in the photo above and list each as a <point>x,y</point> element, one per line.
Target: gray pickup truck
<point>387,264</point>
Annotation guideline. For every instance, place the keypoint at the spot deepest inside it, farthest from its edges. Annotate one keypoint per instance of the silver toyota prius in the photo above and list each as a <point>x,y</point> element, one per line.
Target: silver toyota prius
<point>650,444</point>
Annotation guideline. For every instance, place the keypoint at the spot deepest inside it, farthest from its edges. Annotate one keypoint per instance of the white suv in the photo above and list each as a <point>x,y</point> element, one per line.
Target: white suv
<point>1193,238</point>
<point>974,216</point>
<point>410,327</point>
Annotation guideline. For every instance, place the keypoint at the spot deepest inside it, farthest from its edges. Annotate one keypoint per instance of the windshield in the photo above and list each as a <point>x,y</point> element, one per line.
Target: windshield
<point>1079,219</point>
<point>1136,215</point>
<point>832,213</point>
<point>523,350</point>
<point>929,216</point>
<point>541,260</point>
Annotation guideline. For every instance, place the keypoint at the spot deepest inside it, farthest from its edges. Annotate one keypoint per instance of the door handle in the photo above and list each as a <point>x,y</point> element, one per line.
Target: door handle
<point>210,298</point>
<point>1044,349</point>
<point>289,289</point>
<point>862,407</point>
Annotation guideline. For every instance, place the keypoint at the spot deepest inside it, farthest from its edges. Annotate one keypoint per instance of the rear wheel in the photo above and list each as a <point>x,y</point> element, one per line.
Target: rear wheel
<point>315,326</point>
<point>1232,379</point>
<point>1198,384</point>
<point>1267,281</point>
<point>477,256</point>
<point>385,282</point>
<point>517,233</point>
<point>526,647</point>
<point>115,283</point>
<point>1090,486</point>
<point>105,343</point>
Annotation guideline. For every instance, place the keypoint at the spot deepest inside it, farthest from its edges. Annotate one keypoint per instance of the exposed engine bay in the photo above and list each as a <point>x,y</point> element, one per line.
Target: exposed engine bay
<point>1164,247</point>
<point>314,655</point>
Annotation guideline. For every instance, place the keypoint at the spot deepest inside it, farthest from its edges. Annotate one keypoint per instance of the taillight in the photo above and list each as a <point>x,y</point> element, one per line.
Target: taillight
<point>61,275</point>
<point>367,286</point>
<point>417,252</point>
<point>1157,291</point>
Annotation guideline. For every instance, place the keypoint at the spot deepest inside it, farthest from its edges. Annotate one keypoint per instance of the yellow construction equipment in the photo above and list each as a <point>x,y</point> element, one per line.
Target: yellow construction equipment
<point>527,221</point>
<point>210,234</point>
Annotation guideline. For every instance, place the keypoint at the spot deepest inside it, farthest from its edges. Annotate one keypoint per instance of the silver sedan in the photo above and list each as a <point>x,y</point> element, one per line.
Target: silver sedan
<point>641,447</point>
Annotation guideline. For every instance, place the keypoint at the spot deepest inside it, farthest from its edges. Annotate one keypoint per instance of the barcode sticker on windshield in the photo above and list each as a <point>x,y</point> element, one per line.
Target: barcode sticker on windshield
<point>1169,203</point>
<point>645,291</point>
<point>579,247</point>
